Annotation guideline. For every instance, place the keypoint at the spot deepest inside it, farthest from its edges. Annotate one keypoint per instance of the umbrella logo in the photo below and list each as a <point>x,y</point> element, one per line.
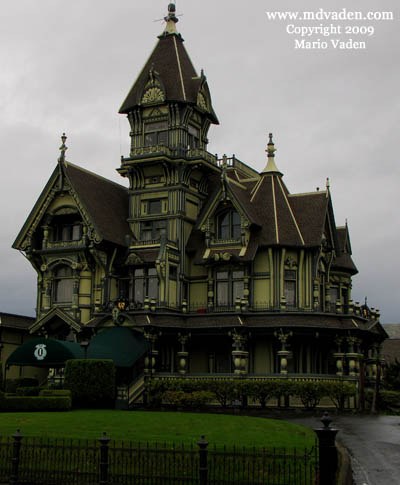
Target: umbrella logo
<point>40,351</point>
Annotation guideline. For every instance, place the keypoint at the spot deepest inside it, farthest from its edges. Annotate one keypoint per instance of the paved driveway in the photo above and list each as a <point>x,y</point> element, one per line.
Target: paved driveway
<point>373,443</point>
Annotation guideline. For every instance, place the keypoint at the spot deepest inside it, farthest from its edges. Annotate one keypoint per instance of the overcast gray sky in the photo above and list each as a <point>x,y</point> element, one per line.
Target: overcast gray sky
<point>67,66</point>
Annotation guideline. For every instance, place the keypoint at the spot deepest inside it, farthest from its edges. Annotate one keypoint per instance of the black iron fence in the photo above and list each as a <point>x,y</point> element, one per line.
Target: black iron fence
<point>40,461</point>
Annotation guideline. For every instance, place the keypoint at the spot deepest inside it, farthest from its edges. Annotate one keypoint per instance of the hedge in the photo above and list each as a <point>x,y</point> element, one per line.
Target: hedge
<point>31,403</point>
<point>11,385</point>
<point>28,391</point>
<point>91,382</point>
<point>55,392</point>
<point>179,392</point>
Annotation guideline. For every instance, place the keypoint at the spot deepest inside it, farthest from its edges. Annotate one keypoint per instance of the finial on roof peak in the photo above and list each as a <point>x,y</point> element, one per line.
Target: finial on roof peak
<point>171,19</point>
<point>270,147</point>
<point>63,148</point>
<point>271,167</point>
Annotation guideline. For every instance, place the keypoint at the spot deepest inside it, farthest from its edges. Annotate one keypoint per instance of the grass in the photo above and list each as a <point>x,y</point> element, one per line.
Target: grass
<point>148,426</point>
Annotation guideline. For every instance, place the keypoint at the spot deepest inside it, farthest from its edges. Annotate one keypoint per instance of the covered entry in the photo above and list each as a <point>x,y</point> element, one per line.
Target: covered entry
<point>45,352</point>
<point>120,344</point>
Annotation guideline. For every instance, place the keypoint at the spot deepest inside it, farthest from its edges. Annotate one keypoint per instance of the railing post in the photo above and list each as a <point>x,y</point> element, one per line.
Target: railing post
<point>328,457</point>
<point>203,460</point>
<point>104,441</point>
<point>17,436</point>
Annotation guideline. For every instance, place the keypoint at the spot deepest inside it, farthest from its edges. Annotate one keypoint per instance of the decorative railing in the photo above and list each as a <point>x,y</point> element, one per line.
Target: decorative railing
<point>25,459</point>
<point>240,307</point>
<point>162,150</point>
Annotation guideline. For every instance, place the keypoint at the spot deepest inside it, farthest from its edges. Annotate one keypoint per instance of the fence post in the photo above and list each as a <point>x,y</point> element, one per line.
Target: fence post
<point>203,460</point>
<point>17,436</point>
<point>104,441</point>
<point>328,457</point>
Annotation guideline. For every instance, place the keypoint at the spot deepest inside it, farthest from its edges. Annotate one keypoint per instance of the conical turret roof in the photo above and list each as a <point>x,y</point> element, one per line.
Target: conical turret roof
<point>170,67</point>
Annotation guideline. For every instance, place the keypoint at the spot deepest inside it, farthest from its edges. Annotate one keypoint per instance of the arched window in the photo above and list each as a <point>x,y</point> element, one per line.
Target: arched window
<point>228,225</point>
<point>63,284</point>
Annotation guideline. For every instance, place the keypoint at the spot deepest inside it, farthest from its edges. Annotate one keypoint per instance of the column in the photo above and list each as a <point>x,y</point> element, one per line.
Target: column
<point>239,354</point>
<point>183,354</point>
<point>284,354</point>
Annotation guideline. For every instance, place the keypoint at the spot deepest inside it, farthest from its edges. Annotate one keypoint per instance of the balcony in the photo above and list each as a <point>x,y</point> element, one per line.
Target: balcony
<point>153,305</point>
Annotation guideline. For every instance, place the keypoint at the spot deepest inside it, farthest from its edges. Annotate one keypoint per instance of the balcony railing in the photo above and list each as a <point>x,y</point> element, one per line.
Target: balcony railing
<point>153,305</point>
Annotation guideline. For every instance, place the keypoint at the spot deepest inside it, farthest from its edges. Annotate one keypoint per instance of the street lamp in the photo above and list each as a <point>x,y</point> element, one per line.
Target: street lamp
<point>84,345</point>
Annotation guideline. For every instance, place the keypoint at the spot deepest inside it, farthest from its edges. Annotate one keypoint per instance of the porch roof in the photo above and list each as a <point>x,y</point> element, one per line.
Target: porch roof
<point>121,344</point>
<point>45,352</point>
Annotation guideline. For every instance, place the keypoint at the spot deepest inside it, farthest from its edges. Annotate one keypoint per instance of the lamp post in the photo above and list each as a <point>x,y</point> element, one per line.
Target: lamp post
<point>84,345</point>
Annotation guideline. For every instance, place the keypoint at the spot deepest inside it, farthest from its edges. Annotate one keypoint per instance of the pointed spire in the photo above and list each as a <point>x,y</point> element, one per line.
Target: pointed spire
<point>63,149</point>
<point>271,166</point>
<point>171,20</point>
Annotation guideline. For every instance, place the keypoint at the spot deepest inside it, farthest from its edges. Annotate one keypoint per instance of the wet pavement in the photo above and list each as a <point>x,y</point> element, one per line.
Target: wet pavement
<point>373,443</point>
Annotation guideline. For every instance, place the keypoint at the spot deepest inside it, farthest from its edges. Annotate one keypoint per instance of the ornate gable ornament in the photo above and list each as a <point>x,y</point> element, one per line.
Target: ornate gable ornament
<point>58,184</point>
<point>153,91</point>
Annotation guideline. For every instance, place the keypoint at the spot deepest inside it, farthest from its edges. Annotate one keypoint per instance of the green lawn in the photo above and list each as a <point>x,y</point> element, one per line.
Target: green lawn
<point>159,427</point>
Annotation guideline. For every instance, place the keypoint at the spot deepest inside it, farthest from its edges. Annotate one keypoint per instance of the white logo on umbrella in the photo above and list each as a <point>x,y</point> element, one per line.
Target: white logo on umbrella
<point>40,351</point>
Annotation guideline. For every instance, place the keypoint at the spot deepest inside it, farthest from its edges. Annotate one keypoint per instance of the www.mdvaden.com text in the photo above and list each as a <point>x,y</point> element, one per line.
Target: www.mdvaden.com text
<point>342,29</point>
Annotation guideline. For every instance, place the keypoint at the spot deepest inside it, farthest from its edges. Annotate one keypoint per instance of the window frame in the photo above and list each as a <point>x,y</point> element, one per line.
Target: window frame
<point>225,283</point>
<point>59,285</point>
<point>227,227</point>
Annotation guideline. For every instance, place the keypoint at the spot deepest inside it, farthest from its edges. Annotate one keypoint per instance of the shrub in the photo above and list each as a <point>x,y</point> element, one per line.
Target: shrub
<point>195,399</point>
<point>27,391</point>
<point>389,401</point>
<point>91,382</point>
<point>392,376</point>
<point>261,391</point>
<point>32,403</point>
<point>154,390</point>
<point>225,390</point>
<point>1,374</point>
<point>310,392</point>
<point>12,385</point>
<point>339,391</point>
<point>55,392</point>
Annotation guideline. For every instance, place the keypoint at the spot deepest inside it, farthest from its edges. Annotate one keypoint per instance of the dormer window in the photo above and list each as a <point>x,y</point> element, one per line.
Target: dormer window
<point>228,225</point>
<point>156,133</point>
<point>67,228</point>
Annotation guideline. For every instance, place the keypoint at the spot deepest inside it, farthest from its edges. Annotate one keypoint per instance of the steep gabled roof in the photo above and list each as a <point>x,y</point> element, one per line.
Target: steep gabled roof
<point>311,212</point>
<point>279,222</point>
<point>105,203</point>
<point>343,259</point>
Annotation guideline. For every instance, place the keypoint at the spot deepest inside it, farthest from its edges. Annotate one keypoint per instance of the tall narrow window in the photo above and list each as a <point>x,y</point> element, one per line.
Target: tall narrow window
<point>228,225</point>
<point>290,288</point>
<point>334,294</point>
<point>194,136</point>
<point>63,285</point>
<point>145,284</point>
<point>229,286</point>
